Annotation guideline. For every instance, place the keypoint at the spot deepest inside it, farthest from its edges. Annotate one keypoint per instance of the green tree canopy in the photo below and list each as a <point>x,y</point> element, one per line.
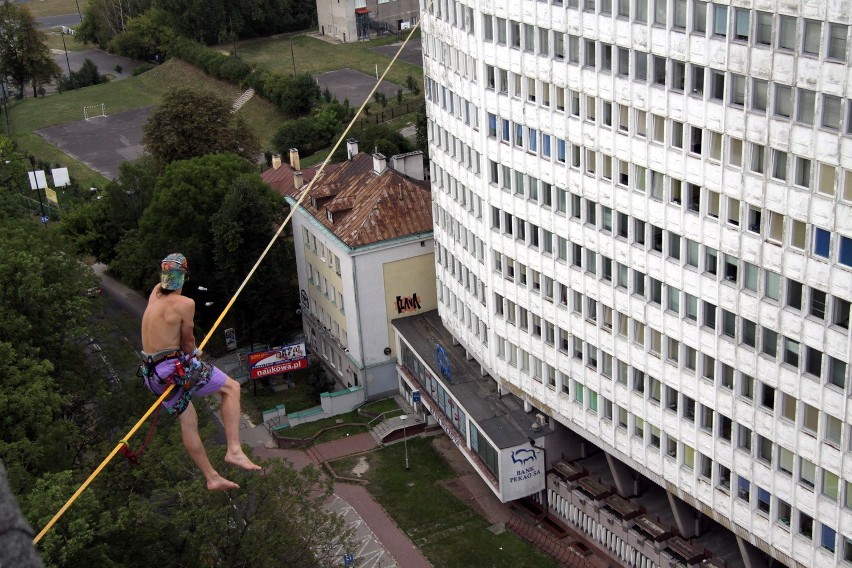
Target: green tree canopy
<point>87,75</point>
<point>191,123</point>
<point>242,228</point>
<point>384,139</point>
<point>24,57</point>
<point>145,36</point>
<point>104,19</point>
<point>98,225</point>
<point>179,218</point>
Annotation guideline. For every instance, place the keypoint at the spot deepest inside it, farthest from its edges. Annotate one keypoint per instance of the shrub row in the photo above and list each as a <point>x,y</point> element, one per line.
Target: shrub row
<point>225,67</point>
<point>294,95</point>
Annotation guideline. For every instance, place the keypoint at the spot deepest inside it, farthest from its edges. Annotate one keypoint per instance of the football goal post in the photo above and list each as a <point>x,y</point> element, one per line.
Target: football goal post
<point>94,111</point>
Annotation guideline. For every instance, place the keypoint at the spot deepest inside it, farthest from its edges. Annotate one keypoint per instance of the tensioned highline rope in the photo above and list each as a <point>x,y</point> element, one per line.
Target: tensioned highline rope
<point>248,277</point>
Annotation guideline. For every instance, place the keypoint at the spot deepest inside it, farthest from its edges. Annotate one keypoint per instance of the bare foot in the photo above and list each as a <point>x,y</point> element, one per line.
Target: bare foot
<point>241,460</point>
<point>219,483</point>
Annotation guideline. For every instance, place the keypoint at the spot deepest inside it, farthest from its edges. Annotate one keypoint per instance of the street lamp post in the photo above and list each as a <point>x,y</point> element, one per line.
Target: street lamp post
<point>404,438</point>
<point>67,61</point>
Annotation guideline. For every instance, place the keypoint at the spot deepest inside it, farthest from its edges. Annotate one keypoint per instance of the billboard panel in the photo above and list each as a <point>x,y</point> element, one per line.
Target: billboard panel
<point>278,360</point>
<point>521,472</point>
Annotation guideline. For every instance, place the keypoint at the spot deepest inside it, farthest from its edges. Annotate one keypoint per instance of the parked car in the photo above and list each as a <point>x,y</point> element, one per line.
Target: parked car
<point>94,292</point>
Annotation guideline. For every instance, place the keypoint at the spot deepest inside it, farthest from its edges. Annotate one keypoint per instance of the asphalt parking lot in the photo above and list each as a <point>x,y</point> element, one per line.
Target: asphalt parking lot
<point>353,85</point>
<point>102,143</point>
<point>413,52</point>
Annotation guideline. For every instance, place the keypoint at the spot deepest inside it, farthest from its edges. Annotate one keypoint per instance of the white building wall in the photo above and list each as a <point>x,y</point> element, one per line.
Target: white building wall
<point>458,58</point>
<point>364,317</point>
<point>336,18</point>
<point>373,309</point>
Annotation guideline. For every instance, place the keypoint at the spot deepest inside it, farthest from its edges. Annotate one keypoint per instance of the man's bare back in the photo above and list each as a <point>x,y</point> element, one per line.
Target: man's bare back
<point>168,322</point>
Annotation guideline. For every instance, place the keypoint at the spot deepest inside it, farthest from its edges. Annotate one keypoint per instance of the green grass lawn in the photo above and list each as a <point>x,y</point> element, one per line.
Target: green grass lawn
<point>295,399</point>
<point>304,431</point>
<point>308,429</point>
<point>53,40</point>
<point>29,115</point>
<point>448,532</point>
<point>317,56</point>
<point>41,8</point>
<point>379,406</point>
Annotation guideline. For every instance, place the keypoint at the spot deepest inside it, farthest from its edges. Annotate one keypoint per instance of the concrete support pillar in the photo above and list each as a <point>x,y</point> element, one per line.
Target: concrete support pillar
<point>468,355</point>
<point>483,371</point>
<point>574,447</point>
<point>752,557</point>
<point>625,481</point>
<point>686,518</point>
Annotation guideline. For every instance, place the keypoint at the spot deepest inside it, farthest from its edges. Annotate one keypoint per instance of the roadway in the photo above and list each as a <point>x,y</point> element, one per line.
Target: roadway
<point>67,20</point>
<point>122,299</point>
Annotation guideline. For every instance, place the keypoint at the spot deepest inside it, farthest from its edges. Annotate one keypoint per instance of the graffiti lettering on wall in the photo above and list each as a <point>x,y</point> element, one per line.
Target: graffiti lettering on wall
<point>407,304</point>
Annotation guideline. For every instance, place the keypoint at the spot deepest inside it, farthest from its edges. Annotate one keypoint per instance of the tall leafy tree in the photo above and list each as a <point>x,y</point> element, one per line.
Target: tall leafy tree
<point>421,126</point>
<point>145,36</point>
<point>186,197</point>
<point>43,314</point>
<point>241,230</point>
<point>98,225</point>
<point>191,123</point>
<point>104,19</point>
<point>24,57</point>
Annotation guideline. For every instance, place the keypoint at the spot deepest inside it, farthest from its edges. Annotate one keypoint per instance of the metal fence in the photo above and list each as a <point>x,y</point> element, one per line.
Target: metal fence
<point>34,207</point>
<point>389,114</point>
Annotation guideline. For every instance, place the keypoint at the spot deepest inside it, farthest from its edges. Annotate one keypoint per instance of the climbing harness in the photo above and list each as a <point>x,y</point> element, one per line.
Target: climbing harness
<point>189,375</point>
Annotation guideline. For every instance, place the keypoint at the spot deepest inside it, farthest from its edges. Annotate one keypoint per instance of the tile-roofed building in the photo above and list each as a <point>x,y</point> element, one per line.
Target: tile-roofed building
<point>359,205</point>
<point>365,256</point>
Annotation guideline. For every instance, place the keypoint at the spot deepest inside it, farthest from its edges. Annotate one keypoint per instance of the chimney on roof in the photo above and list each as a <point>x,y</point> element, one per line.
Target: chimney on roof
<point>380,163</point>
<point>294,159</point>
<point>298,180</point>
<point>351,148</point>
<point>276,161</point>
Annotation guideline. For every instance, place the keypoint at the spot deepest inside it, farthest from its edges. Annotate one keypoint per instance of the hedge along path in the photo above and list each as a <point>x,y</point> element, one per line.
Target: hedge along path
<point>233,299</point>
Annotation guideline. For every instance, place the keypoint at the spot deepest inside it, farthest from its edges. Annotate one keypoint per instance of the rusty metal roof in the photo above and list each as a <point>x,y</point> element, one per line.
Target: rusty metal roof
<point>364,207</point>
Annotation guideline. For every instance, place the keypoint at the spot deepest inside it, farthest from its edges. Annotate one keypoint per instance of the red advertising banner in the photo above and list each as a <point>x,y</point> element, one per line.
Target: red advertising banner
<point>276,361</point>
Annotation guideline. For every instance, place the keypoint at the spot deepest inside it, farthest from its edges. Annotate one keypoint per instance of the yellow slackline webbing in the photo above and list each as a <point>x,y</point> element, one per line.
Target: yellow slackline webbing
<point>248,277</point>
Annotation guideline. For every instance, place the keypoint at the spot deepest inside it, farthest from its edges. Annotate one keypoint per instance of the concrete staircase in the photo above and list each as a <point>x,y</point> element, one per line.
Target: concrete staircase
<point>243,99</point>
<point>388,426</point>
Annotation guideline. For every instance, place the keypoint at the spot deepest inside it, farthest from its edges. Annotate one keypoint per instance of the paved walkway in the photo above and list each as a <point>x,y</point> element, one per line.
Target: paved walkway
<point>356,444</point>
<point>390,541</point>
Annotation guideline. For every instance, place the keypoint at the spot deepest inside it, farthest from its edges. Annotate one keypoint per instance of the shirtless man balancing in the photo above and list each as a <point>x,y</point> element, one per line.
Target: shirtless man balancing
<point>167,336</point>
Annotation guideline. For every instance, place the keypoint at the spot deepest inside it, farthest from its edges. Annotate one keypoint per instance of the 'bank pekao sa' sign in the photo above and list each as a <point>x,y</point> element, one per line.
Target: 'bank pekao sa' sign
<point>521,472</point>
<point>277,361</point>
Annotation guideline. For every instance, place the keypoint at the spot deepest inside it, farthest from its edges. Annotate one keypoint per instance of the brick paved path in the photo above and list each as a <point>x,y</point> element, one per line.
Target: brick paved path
<point>395,541</point>
<point>390,536</point>
<point>356,444</point>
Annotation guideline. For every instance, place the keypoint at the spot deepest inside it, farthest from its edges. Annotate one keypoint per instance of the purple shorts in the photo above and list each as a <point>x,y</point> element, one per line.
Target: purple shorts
<point>165,369</point>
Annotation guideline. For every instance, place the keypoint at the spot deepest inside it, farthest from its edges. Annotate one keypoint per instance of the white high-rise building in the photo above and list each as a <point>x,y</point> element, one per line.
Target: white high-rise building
<point>643,226</point>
